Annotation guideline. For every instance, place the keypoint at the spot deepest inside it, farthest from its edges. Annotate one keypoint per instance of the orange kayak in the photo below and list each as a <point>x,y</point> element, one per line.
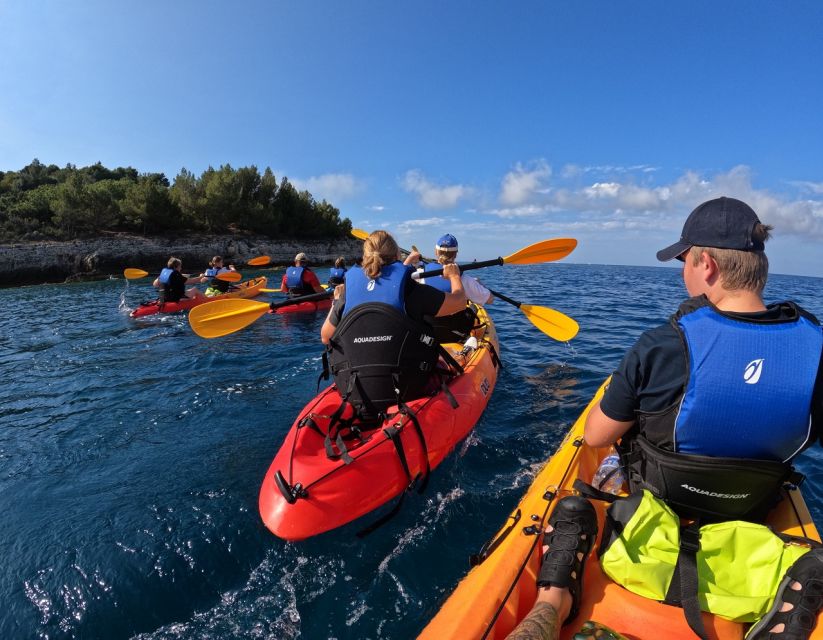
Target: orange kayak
<point>248,289</point>
<point>305,492</point>
<point>500,591</point>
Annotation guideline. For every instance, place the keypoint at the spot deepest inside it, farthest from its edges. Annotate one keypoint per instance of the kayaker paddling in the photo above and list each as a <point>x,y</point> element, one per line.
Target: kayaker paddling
<point>299,280</point>
<point>172,283</point>
<point>380,299</point>
<point>454,327</point>
<point>217,286</point>
<point>337,273</point>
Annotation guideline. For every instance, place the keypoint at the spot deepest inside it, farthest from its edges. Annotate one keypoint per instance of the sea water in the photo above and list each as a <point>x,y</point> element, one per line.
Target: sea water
<point>132,452</point>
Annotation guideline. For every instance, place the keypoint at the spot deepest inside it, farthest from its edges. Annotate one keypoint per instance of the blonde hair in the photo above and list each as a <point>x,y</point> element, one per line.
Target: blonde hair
<point>216,260</point>
<point>173,263</point>
<point>379,249</point>
<point>445,256</point>
<point>340,263</point>
<point>747,270</point>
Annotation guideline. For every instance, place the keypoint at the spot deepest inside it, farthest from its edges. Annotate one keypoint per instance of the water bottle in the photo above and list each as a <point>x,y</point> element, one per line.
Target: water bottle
<point>609,476</point>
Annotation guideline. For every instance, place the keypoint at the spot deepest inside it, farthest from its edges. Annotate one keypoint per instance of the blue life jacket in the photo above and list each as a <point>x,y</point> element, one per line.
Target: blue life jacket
<point>438,282</point>
<point>750,386</point>
<point>164,275</point>
<point>724,450</point>
<point>389,288</point>
<point>216,283</point>
<point>337,276</point>
<point>294,277</point>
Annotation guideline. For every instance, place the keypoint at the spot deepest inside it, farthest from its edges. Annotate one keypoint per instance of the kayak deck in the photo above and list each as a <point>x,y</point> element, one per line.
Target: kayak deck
<point>335,492</point>
<point>248,289</point>
<point>495,595</point>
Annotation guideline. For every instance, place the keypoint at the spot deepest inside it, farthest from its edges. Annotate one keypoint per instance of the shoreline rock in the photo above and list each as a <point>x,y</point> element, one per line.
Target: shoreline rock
<point>44,262</point>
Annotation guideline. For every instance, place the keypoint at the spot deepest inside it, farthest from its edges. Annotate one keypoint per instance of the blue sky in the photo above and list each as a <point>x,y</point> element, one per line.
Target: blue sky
<point>502,123</point>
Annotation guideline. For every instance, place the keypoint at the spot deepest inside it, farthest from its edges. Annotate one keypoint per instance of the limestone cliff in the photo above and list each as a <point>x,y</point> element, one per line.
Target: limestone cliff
<point>39,262</point>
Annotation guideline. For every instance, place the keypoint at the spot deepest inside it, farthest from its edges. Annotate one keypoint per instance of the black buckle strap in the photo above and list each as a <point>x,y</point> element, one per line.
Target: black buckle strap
<point>406,411</point>
<point>684,583</point>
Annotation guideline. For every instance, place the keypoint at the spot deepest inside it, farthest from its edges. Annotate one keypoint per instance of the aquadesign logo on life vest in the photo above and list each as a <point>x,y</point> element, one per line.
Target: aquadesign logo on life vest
<point>370,286</point>
<point>714,494</point>
<point>372,339</point>
<point>751,374</point>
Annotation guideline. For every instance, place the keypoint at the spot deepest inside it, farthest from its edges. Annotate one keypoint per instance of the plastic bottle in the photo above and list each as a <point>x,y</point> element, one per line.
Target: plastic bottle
<point>609,476</point>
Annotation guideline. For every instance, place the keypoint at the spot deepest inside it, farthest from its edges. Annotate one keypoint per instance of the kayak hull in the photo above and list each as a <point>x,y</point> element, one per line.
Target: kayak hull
<point>248,289</point>
<point>305,307</point>
<point>337,493</point>
<point>498,593</point>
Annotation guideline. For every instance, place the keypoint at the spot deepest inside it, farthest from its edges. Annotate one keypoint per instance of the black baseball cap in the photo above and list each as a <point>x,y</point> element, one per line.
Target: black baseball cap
<point>724,223</point>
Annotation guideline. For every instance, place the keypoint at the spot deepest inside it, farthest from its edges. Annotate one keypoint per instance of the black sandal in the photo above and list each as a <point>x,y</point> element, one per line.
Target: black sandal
<point>800,620</point>
<point>573,518</point>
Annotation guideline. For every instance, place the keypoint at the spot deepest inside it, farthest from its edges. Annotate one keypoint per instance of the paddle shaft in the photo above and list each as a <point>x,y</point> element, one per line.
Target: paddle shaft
<point>314,297</point>
<point>462,267</point>
<point>505,298</point>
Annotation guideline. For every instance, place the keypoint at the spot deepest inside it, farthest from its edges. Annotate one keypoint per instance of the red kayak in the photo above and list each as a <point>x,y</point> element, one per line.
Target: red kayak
<point>306,491</point>
<point>248,289</point>
<point>305,307</point>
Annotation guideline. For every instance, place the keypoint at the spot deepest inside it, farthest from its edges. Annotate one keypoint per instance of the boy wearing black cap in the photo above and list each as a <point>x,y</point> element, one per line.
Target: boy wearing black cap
<point>730,388</point>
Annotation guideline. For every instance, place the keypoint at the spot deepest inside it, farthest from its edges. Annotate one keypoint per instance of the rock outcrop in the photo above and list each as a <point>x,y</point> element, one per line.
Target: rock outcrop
<point>39,262</point>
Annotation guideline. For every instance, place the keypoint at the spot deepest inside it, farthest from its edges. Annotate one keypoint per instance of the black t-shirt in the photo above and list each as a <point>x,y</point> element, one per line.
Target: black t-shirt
<point>653,373</point>
<point>421,300</point>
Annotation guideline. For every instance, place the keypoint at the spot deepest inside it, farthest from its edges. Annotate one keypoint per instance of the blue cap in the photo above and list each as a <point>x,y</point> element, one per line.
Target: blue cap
<point>724,223</point>
<point>447,243</point>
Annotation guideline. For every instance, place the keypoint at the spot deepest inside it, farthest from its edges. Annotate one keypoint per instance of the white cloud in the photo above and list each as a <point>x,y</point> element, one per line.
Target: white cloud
<point>624,204</point>
<point>519,185</point>
<point>814,187</point>
<point>420,223</point>
<point>432,196</point>
<point>334,187</point>
<point>376,207</point>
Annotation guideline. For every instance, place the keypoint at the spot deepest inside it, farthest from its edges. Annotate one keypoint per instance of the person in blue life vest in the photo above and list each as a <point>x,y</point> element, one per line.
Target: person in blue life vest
<point>337,274</point>
<point>172,283</point>
<point>299,280</point>
<point>456,327</point>
<point>709,410</point>
<point>381,350</point>
<point>216,286</point>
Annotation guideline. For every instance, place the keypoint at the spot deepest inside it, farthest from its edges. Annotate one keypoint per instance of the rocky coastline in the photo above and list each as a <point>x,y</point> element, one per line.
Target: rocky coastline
<point>98,258</point>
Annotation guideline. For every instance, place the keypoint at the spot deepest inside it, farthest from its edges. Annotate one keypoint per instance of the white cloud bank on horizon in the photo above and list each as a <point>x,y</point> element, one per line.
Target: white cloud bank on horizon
<point>432,196</point>
<point>333,187</point>
<point>627,205</point>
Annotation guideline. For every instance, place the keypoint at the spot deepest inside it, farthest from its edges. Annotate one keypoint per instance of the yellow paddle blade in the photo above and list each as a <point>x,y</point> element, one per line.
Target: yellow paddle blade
<point>133,274</point>
<point>553,323</point>
<point>259,261</point>
<point>360,234</point>
<point>229,276</point>
<point>222,317</point>
<point>545,251</point>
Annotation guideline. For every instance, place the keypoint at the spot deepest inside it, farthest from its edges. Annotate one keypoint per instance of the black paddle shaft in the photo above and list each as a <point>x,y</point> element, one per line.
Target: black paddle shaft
<point>505,298</point>
<point>313,297</point>
<point>465,267</point>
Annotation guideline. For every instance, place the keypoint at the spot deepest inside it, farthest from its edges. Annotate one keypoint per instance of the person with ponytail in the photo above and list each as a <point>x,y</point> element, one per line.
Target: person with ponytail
<point>216,286</point>
<point>376,331</point>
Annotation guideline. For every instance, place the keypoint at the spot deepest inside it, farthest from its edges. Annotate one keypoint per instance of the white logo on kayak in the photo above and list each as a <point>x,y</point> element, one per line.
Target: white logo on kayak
<point>712,494</point>
<point>372,339</point>
<point>370,286</point>
<point>751,374</point>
